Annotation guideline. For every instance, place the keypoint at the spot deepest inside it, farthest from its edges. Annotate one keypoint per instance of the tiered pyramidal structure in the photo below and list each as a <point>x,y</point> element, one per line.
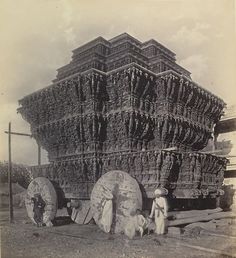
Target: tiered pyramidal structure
<point>121,104</point>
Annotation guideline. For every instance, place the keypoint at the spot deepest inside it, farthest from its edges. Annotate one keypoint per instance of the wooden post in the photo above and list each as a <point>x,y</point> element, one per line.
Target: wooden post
<point>9,176</point>
<point>39,155</point>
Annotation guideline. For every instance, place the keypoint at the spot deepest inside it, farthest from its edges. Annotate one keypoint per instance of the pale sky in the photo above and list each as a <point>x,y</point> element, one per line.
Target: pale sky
<point>37,37</point>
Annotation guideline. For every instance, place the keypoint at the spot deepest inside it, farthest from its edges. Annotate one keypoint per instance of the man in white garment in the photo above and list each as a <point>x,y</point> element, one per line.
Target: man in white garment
<point>159,211</point>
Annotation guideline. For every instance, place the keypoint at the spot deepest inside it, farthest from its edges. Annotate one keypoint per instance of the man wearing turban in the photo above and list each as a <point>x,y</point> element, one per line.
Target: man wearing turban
<point>159,210</point>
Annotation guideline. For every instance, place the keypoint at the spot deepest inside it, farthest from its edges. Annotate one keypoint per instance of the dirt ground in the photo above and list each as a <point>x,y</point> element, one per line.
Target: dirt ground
<point>23,239</point>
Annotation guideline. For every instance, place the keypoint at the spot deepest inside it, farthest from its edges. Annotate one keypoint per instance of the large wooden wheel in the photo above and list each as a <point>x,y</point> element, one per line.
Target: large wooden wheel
<point>42,187</point>
<point>125,194</point>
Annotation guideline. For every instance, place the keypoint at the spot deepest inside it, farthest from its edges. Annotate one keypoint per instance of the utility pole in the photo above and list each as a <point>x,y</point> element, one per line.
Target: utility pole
<point>26,134</point>
<point>9,132</point>
<point>39,155</point>
<point>9,176</point>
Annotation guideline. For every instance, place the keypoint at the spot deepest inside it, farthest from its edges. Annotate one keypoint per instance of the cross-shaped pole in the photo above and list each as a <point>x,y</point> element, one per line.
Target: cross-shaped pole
<point>9,132</point>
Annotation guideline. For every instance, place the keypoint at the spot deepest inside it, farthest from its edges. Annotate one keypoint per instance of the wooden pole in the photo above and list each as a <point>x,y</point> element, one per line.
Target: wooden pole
<point>26,134</point>
<point>9,176</point>
<point>39,155</point>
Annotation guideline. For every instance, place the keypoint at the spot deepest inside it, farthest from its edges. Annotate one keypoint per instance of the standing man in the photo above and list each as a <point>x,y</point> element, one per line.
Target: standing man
<point>38,209</point>
<point>107,213</point>
<point>159,210</point>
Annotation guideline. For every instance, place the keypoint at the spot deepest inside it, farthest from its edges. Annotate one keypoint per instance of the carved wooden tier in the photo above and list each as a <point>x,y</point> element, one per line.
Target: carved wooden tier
<point>127,109</point>
<point>95,121</point>
<point>186,175</point>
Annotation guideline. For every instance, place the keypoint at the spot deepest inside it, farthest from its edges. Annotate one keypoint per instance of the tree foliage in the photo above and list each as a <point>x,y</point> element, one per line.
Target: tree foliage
<point>20,174</point>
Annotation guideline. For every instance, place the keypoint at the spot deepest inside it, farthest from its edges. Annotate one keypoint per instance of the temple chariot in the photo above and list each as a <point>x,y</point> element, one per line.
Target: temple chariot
<point>123,118</point>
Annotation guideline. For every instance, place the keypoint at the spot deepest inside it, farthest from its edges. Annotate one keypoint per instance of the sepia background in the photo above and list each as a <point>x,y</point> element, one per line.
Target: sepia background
<point>37,38</point>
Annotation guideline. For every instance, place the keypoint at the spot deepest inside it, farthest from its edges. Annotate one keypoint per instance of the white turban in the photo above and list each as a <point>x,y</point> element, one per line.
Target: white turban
<point>158,191</point>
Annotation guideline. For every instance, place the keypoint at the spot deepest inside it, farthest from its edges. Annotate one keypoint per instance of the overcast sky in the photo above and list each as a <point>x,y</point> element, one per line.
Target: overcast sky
<point>37,37</point>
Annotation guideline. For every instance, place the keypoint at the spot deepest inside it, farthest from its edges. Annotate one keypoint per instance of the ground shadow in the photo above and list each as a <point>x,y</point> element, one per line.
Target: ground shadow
<point>62,220</point>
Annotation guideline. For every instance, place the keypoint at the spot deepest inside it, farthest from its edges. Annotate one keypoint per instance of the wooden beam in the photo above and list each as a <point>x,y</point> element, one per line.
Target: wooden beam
<point>209,217</point>
<point>192,213</point>
<point>22,134</point>
<point>170,149</point>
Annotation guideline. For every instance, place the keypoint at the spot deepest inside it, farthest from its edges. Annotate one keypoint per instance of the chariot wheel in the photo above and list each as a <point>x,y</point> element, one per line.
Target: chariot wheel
<point>44,189</point>
<point>120,189</point>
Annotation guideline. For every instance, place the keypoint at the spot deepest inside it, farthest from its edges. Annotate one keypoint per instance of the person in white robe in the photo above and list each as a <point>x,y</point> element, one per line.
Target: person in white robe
<point>159,211</point>
<point>107,213</point>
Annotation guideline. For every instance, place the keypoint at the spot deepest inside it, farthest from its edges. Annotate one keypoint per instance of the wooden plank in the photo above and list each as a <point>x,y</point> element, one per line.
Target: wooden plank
<point>192,213</point>
<point>209,217</point>
<point>82,213</point>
